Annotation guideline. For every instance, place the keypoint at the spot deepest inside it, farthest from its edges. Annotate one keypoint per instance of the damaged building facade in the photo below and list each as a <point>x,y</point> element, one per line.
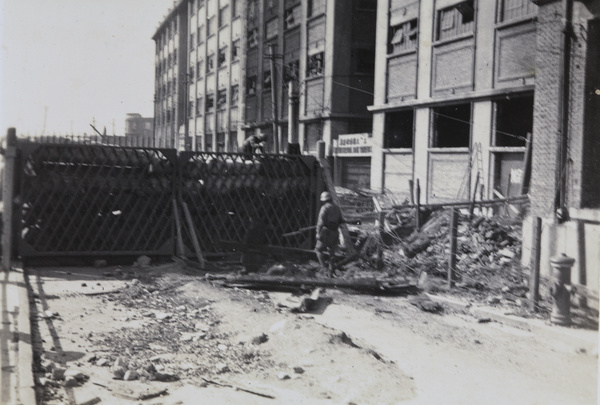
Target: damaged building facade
<point>462,87</point>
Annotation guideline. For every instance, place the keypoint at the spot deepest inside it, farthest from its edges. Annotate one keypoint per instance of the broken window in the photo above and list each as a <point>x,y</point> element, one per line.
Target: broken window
<point>235,93</point>
<point>456,20</point>
<point>452,126</point>
<point>210,102</point>
<point>315,65</point>
<point>235,50</point>
<point>221,98</point>
<point>222,57</point>
<point>210,63</point>
<point>404,36</point>
<point>266,79</point>
<point>514,9</point>
<point>251,85</point>
<point>291,71</point>
<point>513,120</point>
<point>399,129</point>
<point>292,17</point>
<point>253,38</point>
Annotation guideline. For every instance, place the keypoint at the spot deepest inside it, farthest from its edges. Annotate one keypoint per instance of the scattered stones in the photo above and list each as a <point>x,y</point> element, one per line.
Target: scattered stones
<point>102,362</point>
<point>58,373</point>
<point>70,382</point>
<point>130,375</point>
<point>143,261</point>
<point>283,376</point>
<point>298,370</point>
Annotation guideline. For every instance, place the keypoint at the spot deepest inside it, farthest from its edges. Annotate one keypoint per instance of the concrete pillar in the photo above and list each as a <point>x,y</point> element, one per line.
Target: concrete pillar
<point>424,52</point>
<point>377,154</point>
<point>421,149</point>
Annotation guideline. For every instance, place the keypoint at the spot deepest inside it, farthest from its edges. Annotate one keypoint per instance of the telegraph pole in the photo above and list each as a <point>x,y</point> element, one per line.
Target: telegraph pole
<point>271,56</point>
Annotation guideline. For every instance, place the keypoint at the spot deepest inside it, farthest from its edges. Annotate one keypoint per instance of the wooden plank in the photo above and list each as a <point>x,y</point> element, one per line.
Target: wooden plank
<point>180,248</point>
<point>192,232</point>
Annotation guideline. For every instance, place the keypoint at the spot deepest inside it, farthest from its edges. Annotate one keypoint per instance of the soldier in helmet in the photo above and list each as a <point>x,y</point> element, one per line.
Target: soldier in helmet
<point>254,144</point>
<point>328,223</point>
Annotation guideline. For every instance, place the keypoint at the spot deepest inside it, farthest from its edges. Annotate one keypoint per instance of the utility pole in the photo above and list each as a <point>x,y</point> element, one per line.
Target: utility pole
<point>271,56</point>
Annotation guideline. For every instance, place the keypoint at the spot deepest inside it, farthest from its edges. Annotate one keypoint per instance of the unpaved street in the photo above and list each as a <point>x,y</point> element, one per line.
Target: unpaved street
<point>193,342</point>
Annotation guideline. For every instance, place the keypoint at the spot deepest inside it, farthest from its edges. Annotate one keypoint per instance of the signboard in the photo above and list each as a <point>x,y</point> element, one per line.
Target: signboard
<point>353,145</point>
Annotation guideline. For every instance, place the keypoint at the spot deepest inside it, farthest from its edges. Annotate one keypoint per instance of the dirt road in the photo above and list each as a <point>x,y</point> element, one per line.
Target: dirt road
<point>193,342</point>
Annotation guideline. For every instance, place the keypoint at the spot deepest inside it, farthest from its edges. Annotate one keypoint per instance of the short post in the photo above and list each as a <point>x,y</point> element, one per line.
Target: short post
<point>534,281</point>
<point>8,196</point>
<point>380,244</point>
<point>418,206</point>
<point>411,187</point>
<point>561,288</point>
<point>452,258</point>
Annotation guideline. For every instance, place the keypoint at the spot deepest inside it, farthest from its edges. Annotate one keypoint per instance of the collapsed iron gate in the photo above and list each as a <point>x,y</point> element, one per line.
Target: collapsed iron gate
<point>94,200</point>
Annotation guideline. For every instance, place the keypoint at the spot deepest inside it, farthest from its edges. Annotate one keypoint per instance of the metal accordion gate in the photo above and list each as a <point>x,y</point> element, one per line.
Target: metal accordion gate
<point>96,200</point>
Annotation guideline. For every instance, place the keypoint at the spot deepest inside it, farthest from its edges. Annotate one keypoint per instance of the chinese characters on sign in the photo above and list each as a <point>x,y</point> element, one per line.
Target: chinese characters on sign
<point>353,144</point>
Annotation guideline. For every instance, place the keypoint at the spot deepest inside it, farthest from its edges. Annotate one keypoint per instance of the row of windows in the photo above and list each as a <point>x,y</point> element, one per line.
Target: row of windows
<point>170,60</point>
<point>291,72</point>
<point>454,21</point>
<point>197,107</point>
<point>167,34</point>
<point>451,125</point>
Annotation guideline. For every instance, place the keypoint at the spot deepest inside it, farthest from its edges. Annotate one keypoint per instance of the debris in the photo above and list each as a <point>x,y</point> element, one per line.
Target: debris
<point>343,338</point>
<point>58,373</point>
<point>130,375</point>
<point>70,382</point>
<point>260,394</point>
<point>143,261</point>
<point>426,304</point>
<point>262,338</point>
<point>484,320</point>
<point>298,370</point>
<point>283,376</point>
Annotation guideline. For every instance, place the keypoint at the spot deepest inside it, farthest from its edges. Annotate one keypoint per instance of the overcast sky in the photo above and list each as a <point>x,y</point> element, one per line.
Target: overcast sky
<point>76,60</point>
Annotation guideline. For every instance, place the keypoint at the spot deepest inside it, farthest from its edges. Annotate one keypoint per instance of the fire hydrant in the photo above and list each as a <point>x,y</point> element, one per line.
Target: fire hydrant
<point>561,289</point>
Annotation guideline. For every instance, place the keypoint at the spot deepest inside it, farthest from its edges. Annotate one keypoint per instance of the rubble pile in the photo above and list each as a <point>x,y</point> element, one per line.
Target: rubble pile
<point>178,337</point>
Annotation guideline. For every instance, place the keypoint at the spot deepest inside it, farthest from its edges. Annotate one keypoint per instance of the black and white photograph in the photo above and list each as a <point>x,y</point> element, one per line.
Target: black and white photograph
<point>346,202</point>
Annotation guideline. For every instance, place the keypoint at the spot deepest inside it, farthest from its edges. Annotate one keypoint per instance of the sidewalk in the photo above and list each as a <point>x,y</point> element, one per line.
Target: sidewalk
<point>16,352</point>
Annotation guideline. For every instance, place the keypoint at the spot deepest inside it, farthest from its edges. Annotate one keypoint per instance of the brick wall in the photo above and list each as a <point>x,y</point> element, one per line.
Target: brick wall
<point>546,128</point>
<point>545,118</point>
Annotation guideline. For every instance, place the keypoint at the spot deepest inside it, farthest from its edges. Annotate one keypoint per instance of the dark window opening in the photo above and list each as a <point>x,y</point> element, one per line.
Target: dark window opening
<point>452,126</point>
<point>399,129</point>
<point>266,79</point>
<point>251,85</point>
<point>365,60</point>
<point>315,65</point>
<point>514,119</point>
<point>222,57</point>
<point>221,98</point>
<point>291,71</point>
<point>210,102</point>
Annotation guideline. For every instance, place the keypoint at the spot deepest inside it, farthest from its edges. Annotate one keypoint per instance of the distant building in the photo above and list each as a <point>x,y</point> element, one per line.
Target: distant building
<point>139,129</point>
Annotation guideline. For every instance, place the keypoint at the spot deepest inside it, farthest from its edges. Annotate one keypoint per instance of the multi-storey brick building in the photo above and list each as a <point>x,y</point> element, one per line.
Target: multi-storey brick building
<point>214,79</point>
<point>459,86</point>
